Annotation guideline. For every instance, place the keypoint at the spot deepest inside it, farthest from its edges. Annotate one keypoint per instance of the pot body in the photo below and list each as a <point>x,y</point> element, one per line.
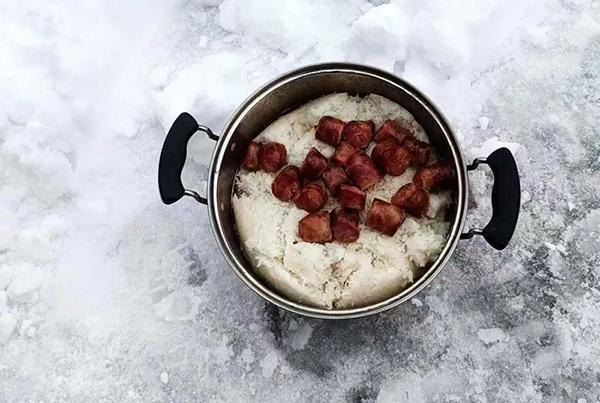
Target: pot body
<point>287,93</point>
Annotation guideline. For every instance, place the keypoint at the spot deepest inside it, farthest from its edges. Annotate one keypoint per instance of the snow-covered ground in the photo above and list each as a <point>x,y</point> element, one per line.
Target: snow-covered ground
<point>106,294</point>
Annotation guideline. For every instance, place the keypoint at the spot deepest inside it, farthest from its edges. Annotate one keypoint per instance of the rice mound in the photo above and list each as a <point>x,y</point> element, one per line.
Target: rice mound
<point>333,275</point>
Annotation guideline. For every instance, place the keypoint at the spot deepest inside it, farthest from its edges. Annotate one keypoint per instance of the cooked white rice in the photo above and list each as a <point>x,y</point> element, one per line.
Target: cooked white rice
<point>334,275</point>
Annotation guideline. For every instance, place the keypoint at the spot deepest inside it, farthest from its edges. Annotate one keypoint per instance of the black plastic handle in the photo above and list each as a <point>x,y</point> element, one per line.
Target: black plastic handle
<point>506,198</point>
<point>172,159</point>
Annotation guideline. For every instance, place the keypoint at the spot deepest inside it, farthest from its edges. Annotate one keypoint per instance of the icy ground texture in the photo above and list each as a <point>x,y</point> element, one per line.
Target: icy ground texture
<point>106,294</point>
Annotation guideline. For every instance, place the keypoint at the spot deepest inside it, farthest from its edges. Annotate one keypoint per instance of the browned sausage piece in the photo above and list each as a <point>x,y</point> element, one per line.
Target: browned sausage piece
<point>329,130</point>
<point>435,177</point>
<point>419,151</point>
<point>358,133</point>
<point>379,152</point>
<point>343,153</point>
<point>344,225</point>
<point>250,161</point>
<point>334,176</point>
<point>286,184</point>
<point>272,156</point>
<point>315,227</point>
<point>391,158</point>
<point>413,199</point>
<point>385,217</point>
<point>314,163</point>
<point>362,171</point>
<point>311,197</point>
<point>352,197</point>
<point>390,130</point>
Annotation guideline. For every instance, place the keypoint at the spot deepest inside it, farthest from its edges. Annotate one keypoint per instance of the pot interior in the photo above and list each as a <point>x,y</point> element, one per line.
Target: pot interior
<point>291,91</point>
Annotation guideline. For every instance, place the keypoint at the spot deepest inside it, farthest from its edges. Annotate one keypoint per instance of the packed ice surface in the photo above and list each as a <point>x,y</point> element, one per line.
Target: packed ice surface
<point>331,275</point>
<point>106,294</point>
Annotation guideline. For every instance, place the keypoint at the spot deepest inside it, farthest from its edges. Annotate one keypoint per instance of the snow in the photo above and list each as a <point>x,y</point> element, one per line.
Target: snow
<point>25,281</point>
<point>164,377</point>
<point>247,356</point>
<point>177,307</point>
<point>3,301</point>
<point>103,289</point>
<point>269,364</point>
<point>8,322</point>
<point>484,122</point>
<point>491,336</point>
<point>298,334</point>
<point>491,144</point>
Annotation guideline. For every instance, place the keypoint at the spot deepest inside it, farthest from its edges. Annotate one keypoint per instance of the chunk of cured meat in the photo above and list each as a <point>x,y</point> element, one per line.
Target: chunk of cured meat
<point>311,197</point>
<point>390,130</point>
<point>334,176</point>
<point>413,199</point>
<point>286,184</point>
<point>315,227</point>
<point>329,130</point>
<point>385,217</point>
<point>314,163</point>
<point>435,177</point>
<point>343,153</point>
<point>344,225</point>
<point>352,197</point>
<point>391,158</point>
<point>419,151</point>
<point>358,133</point>
<point>250,161</point>
<point>272,156</point>
<point>362,171</point>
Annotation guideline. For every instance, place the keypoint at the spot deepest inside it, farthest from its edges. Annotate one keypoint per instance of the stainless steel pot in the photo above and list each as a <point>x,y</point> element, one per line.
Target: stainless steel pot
<point>289,92</point>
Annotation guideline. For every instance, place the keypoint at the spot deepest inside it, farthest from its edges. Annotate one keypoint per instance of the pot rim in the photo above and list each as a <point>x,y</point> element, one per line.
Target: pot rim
<point>245,273</point>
